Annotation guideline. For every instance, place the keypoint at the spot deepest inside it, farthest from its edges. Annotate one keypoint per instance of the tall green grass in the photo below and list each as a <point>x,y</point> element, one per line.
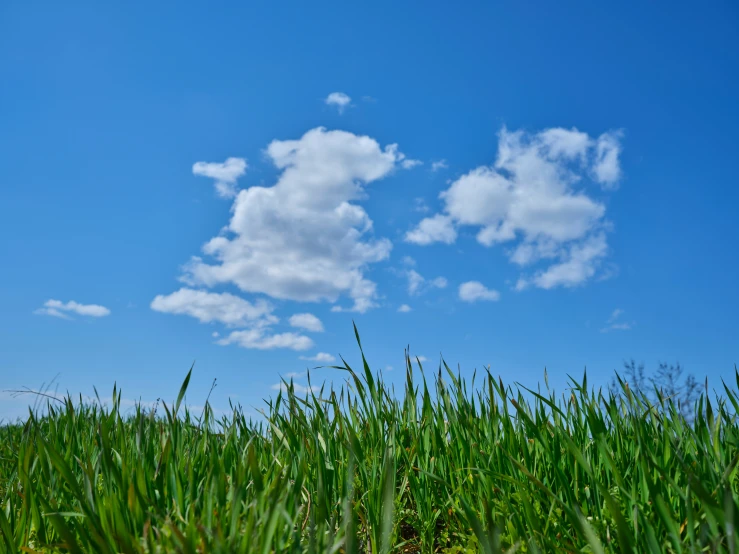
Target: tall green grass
<point>442,468</point>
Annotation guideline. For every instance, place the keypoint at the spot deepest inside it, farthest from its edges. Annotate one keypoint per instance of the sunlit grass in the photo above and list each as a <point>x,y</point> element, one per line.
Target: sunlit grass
<point>447,466</point>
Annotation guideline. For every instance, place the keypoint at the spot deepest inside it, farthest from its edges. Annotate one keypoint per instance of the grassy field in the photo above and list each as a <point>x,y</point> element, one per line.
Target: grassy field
<point>447,466</point>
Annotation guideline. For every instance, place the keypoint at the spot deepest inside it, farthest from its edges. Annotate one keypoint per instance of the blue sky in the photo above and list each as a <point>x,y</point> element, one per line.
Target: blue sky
<point>540,184</point>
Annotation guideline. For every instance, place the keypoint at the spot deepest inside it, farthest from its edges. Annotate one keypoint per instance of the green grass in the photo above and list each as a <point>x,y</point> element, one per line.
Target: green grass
<point>442,468</point>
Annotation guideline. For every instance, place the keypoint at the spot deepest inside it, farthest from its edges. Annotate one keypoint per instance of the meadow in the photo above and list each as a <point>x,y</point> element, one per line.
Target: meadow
<point>443,466</point>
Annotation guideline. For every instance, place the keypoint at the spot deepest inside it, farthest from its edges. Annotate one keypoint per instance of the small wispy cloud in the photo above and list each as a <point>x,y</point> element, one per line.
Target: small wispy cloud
<point>298,388</point>
<point>418,284</point>
<point>438,165</point>
<point>404,309</point>
<point>615,315</point>
<point>419,205</point>
<point>295,375</point>
<point>320,357</point>
<point>615,323</point>
<point>225,174</point>
<point>57,308</point>
<point>339,100</point>
<point>259,339</point>
<point>474,291</point>
<point>410,164</point>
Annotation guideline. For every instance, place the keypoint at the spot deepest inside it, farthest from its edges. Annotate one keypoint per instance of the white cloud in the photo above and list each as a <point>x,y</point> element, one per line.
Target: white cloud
<point>298,388</point>
<point>614,322</point>
<point>207,307</point>
<point>260,339</point>
<point>421,358</point>
<point>472,291</point>
<point>408,261</point>
<point>309,322</point>
<point>439,164</point>
<point>415,280</point>
<point>534,194</point>
<point>438,228</point>
<point>338,100</point>
<point>320,357</point>
<point>439,282</point>
<point>225,174</point>
<point>404,309</point>
<point>578,264</point>
<point>607,168</point>
<point>410,164</point>
<point>304,239</point>
<point>215,334</point>
<point>417,284</point>
<point>57,308</point>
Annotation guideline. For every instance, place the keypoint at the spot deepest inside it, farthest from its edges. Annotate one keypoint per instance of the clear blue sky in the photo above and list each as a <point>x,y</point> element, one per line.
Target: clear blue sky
<point>563,192</point>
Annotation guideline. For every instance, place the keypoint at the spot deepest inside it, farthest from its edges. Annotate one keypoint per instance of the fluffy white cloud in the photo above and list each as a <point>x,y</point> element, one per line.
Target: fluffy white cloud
<point>225,174</point>
<point>261,339</point>
<point>304,239</point>
<point>438,228</point>
<point>320,357</point>
<point>410,164</point>
<point>472,291</point>
<point>57,308</point>
<point>404,309</point>
<point>309,322</point>
<point>533,194</point>
<point>439,164</point>
<point>418,284</point>
<point>210,306</point>
<point>339,100</point>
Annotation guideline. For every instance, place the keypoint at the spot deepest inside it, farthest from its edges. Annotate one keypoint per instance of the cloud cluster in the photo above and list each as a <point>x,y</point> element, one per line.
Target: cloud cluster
<point>534,195</point>
<point>57,308</point>
<point>304,238</point>
<point>234,311</point>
